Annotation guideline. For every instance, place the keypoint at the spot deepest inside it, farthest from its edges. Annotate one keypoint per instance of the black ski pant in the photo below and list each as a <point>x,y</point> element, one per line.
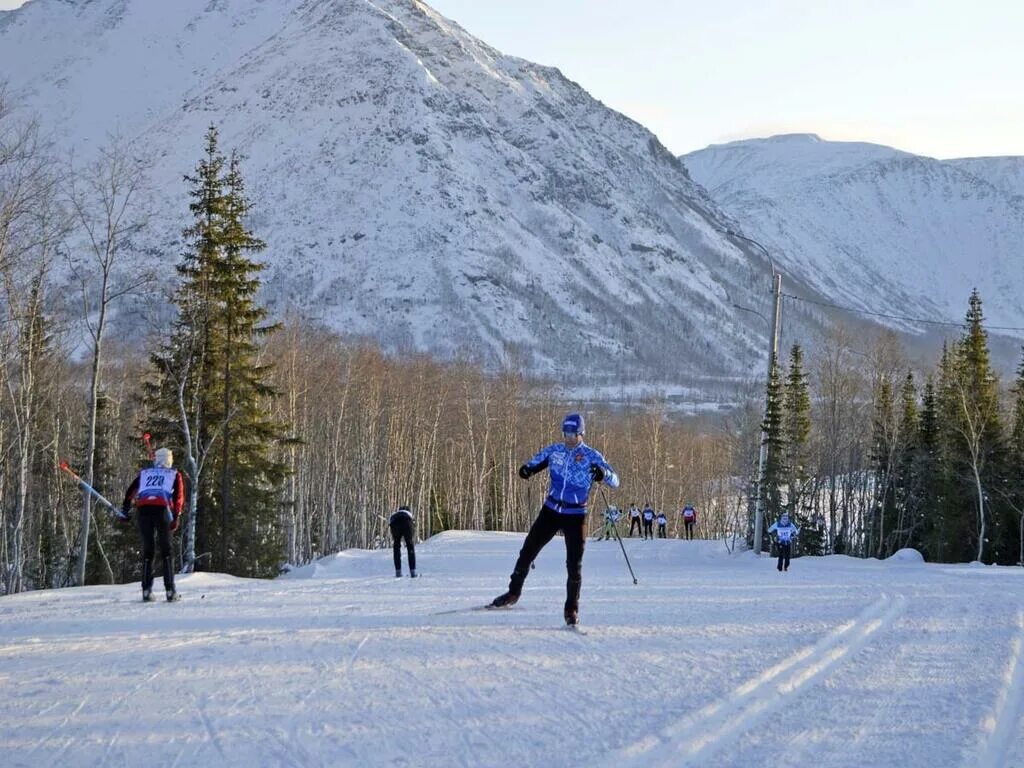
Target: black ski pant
<point>784,551</point>
<point>403,529</point>
<point>662,533</point>
<point>688,524</point>
<point>153,519</point>
<point>548,523</point>
<point>648,528</point>
<point>634,522</point>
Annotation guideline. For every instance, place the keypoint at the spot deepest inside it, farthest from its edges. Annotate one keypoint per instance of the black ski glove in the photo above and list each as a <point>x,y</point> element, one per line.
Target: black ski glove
<point>596,473</point>
<point>525,472</point>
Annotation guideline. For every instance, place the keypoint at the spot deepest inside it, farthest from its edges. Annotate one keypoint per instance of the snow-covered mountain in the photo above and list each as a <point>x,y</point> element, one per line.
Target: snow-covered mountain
<point>413,184</point>
<point>876,228</point>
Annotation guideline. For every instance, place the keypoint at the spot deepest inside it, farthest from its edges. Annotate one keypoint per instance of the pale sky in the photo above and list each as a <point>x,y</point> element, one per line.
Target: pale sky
<point>936,77</point>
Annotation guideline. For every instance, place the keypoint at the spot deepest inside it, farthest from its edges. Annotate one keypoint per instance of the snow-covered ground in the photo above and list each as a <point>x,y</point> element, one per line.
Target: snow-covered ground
<point>712,659</point>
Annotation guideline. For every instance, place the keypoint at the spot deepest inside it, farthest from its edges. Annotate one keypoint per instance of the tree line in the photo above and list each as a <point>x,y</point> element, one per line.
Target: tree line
<point>935,464</point>
<point>298,441</point>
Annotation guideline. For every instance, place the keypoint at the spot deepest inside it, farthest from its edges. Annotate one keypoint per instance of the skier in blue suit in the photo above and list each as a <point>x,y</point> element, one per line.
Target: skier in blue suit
<point>574,467</point>
<point>785,532</point>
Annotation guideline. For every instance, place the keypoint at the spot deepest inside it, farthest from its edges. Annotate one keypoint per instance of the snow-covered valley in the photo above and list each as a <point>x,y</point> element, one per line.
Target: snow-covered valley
<point>713,659</point>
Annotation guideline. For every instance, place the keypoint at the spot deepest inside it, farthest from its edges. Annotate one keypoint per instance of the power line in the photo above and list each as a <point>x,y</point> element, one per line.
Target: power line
<point>906,318</point>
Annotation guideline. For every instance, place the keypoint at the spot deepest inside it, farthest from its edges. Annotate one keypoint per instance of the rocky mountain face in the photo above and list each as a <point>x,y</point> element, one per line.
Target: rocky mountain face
<point>878,229</point>
<point>413,184</point>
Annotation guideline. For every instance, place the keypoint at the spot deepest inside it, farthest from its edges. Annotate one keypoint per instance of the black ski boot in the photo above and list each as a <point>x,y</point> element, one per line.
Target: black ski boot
<point>572,602</point>
<point>506,600</point>
<point>172,596</point>
<point>515,588</point>
<point>147,596</point>
<point>398,573</point>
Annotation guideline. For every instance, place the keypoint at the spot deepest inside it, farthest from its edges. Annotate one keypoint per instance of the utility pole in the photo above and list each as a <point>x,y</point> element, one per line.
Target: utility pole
<point>773,356</point>
<point>762,458</point>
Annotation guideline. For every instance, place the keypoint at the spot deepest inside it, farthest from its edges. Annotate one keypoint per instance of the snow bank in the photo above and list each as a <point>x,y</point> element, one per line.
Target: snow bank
<point>906,556</point>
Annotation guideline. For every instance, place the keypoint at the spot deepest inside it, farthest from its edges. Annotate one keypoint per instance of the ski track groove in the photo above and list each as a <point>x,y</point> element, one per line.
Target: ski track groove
<point>1001,724</point>
<point>211,732</point>
<point>721,722</point>
<point>355,653</point>
<point>59,729</point>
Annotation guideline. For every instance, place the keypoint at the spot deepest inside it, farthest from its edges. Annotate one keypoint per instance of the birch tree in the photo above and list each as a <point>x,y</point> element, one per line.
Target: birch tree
<point>103,198</point>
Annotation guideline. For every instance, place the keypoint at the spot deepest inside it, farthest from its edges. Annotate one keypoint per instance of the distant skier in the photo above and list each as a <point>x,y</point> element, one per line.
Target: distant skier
<point>403,526</point>
<point>662,522</point>
<point>159,494</point>
<point>648,521</point>
<point>784,531</point>
<point>573,467</point>
<point>611,517</point>
<point>634,519</point>
<point>689,519</point>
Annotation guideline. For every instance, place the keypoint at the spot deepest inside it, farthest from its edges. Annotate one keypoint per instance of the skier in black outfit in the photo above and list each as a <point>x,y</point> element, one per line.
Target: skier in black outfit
<point>574,468</point>
<point>403,526</point>
<point>634,519</point>
<point>159,495</point>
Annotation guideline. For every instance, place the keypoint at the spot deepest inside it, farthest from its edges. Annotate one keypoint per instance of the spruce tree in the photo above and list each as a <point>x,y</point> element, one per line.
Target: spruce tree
<point>796,428</point>
<point>976,443</point>
<point>951,541</point>
<point>883,455</point>
<point>210,369</point>
<point>906,482</point>
<point>774,465</point>
<point>1014,481</point>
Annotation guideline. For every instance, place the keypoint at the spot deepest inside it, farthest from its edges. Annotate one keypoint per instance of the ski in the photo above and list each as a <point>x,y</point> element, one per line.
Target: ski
<point>469,609</point>
<point>576,629</point>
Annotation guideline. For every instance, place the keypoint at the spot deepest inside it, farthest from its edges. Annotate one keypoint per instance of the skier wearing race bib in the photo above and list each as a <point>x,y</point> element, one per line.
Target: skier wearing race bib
<point>159,495</point>
<point>634,519</point>
<point>648,521</point>
<point>784,532</point>
<point>689,519</point>
<point>662,522</point>
<point>574,467</point>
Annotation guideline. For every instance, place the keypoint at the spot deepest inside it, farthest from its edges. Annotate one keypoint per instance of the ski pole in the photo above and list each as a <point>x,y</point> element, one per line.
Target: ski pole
<point>149,446</point>
<point>615,528</point>
<point>85,486</point>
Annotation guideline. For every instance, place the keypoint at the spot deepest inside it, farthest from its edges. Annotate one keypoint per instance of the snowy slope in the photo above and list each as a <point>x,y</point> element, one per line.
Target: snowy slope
<point>712,660</point>
<point>413,183</point>
<point>1004,173</point>
<point>876,228</point>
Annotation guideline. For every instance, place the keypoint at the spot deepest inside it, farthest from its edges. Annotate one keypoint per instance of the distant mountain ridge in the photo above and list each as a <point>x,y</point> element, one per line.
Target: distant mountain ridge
<point>413,184</point>
<point>876,228</point>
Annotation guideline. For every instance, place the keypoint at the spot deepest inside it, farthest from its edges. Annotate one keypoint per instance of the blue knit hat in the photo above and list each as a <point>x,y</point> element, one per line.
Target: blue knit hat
<point>573,424</point>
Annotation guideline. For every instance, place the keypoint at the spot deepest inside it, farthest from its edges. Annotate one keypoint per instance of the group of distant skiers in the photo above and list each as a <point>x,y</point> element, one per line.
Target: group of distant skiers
<point>648,517</point>
<point>573,468</point>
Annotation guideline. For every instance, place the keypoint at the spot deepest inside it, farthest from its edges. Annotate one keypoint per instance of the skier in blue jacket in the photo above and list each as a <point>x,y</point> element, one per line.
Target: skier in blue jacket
<point>784,531</point>
<point>574,467</point>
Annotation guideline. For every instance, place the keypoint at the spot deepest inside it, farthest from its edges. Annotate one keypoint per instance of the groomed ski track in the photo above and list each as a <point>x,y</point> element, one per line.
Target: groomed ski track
<point>712,660</point>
